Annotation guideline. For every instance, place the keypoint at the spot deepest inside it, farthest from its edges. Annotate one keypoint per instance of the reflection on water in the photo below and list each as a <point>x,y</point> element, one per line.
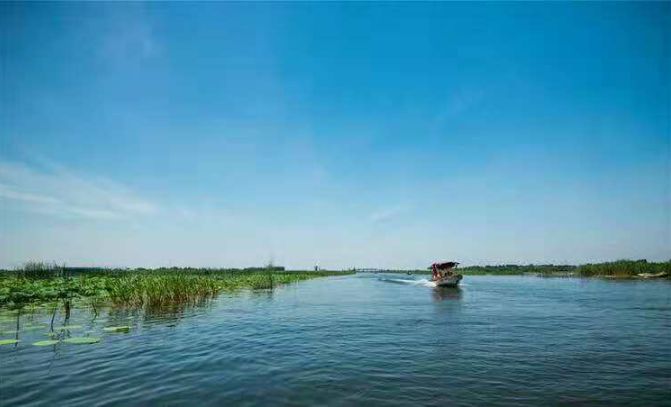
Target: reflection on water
<point>33,325</point>
<point>263,294</point>
<point>446,293</point>
<point>355,340</point>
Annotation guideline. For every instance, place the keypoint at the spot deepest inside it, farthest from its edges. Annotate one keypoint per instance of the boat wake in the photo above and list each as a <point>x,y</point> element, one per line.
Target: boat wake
<point>423,281</point>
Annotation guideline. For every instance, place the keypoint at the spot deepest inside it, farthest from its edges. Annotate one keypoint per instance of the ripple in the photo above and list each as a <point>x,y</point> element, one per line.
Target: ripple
<point>506,341</point>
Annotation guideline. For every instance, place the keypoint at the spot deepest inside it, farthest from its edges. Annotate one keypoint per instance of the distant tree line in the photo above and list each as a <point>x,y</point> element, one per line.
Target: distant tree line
<point>619,268</point>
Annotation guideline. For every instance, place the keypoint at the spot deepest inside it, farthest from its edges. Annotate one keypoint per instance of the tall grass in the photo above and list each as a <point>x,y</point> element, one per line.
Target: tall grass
<point>139,287</point>
<point>156,289</point>
<point>35,269</point>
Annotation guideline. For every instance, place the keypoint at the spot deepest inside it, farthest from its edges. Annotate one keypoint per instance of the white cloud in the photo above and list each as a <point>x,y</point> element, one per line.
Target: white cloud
<point>9,193</point>
<point>54,190</point>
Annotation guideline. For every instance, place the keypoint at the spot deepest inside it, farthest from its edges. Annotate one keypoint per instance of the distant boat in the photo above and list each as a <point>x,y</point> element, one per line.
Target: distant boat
<point>443,274</point>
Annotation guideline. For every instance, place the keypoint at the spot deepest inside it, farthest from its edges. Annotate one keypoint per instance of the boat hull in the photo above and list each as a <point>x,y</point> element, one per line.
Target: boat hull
<point>449,281</point>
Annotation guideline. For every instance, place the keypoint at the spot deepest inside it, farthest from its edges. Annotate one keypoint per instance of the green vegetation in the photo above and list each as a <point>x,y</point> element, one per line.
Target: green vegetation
<point>39,283</point>
<point>616,269</point>
<point>124,328</point>
<point>82,340</point>
<point>514,269</point>
<point>49,342</point>
<point>626,269</point>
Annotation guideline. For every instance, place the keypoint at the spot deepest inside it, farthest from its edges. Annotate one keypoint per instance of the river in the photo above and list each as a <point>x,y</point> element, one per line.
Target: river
<point>365,339</point>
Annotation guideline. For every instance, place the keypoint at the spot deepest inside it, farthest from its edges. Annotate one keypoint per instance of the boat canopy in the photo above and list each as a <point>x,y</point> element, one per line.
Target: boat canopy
<point>444,266</point>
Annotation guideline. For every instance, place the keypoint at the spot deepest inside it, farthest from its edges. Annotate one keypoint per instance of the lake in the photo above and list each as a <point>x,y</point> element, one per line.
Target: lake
<point>370,339</point>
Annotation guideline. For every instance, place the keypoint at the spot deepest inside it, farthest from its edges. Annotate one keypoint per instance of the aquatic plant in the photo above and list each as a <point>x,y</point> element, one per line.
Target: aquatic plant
<point>48,342</point>
<point>117,328</point>
<point>82,340</point>
<point>137,288</point>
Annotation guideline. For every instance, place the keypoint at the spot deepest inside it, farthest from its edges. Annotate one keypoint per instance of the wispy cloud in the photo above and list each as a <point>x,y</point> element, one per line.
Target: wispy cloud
<point>385,214</point>
<point>52,189</point>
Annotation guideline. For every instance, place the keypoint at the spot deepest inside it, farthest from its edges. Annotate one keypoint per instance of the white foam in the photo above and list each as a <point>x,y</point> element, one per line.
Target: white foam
<point>422,281</point>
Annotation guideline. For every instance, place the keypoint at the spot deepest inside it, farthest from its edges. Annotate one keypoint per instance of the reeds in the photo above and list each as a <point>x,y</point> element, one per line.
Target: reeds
<point>624,269</point>
<point>139,287</point>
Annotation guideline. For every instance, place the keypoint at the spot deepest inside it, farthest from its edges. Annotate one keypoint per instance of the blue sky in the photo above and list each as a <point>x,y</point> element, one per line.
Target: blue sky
<point>338,134</point>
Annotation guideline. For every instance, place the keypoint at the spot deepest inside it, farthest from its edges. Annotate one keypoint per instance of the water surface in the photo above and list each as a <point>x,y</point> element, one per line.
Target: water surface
<point>369,338</point>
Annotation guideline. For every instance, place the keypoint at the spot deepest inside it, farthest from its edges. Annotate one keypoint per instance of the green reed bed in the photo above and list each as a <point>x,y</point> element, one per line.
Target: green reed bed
<point>626,269</point>
<point>136,288</point>
<point>155,289</point>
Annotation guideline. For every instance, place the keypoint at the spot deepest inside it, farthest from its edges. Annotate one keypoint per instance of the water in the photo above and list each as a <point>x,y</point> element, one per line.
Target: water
<point>373,339</point>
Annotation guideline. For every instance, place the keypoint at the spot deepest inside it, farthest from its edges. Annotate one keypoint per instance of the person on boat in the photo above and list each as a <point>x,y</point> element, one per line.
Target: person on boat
<point>437,269</point>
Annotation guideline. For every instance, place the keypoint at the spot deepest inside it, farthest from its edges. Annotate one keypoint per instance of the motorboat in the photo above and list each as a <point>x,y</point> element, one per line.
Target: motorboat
<point>449,281</point>
<point>444,275</point>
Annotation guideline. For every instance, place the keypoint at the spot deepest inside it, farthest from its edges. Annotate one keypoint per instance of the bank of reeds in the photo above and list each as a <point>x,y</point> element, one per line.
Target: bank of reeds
<point>625,269</point>
<point>138,287</point>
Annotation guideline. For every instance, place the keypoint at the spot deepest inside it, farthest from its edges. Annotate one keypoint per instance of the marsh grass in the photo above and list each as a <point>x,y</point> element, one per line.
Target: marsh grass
<point>138,287</point>
<point>34,269</point>
<point>624,269</point>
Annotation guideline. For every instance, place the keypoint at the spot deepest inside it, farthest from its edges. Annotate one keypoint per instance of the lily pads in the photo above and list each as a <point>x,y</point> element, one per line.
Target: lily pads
<point>124,328</point>
<point>82,340</point>
<point>8,341</point>
<point>46,343</point>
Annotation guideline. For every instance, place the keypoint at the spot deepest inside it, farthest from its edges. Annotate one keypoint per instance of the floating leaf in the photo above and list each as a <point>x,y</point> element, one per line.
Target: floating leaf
<point>45,343</point>
<point>8,341</point>
<point>124,328</point>
<point>82,340</point>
